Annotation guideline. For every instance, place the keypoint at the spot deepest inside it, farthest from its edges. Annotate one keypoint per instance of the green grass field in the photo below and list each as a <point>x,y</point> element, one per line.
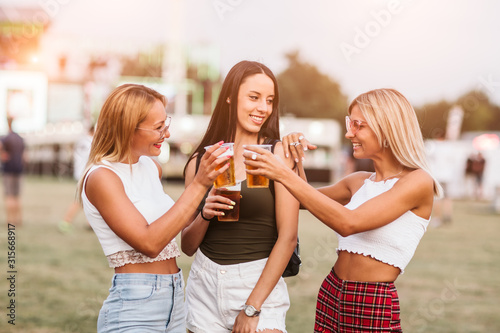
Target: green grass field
<point>452,284</point>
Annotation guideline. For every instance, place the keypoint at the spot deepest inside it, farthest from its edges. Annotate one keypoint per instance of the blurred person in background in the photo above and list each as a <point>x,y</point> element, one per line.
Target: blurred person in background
<point>12,157</point>
<point>80,158</point>
<point>474,173</point>
<point>379,217</point>
<point>235,283</point>
<point>135,221</point>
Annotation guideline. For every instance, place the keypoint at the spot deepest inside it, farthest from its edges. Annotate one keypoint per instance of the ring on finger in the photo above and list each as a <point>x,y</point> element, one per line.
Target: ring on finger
<point>254,157</point>
<point>294,144</point>
<point>301,137</point>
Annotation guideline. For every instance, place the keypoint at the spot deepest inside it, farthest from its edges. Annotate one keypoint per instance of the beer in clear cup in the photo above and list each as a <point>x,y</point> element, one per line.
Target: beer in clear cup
<point>226,178</point>
<point>233,193</point>
<point>254,181</point>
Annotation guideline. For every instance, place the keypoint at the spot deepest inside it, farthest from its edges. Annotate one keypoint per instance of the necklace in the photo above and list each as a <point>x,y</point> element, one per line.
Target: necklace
<point>383,180</point>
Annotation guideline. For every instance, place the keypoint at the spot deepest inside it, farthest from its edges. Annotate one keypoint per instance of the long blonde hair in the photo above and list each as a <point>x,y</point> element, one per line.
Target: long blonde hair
<point>124,109</point>
<point>394,122</point>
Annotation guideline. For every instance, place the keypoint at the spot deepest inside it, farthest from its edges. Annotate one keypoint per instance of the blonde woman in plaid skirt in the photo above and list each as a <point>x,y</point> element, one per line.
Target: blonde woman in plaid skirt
<point>379,216</point>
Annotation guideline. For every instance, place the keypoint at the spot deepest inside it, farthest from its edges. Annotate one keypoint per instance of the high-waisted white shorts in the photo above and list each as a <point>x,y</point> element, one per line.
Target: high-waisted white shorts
<point>215,294</point>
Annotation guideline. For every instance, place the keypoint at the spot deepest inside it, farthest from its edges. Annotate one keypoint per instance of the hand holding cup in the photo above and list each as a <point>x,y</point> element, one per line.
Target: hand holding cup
<point>223,203</point>
<point>212,165</point>
<point>256,181</point>
<point>262,162</point>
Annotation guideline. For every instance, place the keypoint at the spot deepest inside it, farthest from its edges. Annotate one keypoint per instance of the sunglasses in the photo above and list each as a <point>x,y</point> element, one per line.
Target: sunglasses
<point>162,131</point>
<point>353,126</point>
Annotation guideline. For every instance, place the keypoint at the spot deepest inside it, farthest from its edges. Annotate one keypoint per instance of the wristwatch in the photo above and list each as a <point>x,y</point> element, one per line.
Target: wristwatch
<point>251,311</point>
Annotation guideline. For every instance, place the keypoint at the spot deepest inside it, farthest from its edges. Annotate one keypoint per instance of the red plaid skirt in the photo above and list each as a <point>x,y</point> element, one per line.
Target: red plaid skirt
<point>356,307</point>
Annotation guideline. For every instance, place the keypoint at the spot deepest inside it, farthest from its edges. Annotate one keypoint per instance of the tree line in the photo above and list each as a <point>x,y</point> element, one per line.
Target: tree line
<point>306,92</point>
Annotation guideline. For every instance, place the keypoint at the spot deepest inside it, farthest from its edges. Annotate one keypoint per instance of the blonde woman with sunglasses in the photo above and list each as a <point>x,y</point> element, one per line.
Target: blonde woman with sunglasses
<point>135,221</point>
<point>379,217</point>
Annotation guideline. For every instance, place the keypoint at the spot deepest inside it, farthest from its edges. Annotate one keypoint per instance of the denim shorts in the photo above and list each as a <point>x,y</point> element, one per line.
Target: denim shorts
<point>140,302</point>
<point>215,294</point>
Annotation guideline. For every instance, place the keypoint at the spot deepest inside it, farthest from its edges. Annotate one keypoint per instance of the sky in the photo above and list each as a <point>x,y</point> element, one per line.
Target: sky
<point>428,50</point>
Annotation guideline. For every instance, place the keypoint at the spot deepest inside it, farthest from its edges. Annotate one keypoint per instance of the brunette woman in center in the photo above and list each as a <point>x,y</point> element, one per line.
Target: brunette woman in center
<point>235,283</point>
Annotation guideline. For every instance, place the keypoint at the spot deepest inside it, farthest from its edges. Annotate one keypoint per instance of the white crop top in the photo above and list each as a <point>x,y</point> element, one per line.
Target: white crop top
<point>394,243</point>
<point>144,189</point>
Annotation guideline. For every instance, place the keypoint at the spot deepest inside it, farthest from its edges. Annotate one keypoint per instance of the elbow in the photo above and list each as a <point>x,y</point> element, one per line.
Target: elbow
<point>150,251</point>
<point>346,229</point>
<point>344,233</point>
<point>187,250</point>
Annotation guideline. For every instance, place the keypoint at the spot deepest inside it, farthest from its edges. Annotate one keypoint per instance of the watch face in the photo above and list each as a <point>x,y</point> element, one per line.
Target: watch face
<point>250,311</point>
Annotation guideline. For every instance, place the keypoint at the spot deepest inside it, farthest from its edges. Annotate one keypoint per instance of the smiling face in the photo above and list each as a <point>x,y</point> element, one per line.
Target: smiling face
<point>364,141</point>
<point>148,140</point>
<point>255,102</point>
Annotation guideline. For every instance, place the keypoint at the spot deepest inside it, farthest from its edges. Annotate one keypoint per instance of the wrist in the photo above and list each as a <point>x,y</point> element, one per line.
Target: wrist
<point>203,217</point>
<point>250,311</point>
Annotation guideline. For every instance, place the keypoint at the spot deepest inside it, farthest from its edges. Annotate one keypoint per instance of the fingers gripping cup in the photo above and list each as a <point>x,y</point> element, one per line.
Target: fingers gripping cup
<point>254,181</point>
<point>233,194</point>
<point>226,178</point>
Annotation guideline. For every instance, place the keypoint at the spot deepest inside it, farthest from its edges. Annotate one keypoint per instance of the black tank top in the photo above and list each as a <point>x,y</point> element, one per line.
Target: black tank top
<point>251,238</point>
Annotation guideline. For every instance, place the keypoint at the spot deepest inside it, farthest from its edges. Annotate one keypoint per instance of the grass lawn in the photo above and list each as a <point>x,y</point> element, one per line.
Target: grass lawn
<point>451,285</point>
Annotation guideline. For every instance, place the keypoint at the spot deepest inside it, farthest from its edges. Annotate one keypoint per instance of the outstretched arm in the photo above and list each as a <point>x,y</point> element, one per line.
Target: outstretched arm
<point>128,223</point>
<point>413,191</point>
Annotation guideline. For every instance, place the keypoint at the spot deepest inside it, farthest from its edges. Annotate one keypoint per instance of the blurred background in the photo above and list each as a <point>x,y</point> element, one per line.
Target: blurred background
<point>60,58</point>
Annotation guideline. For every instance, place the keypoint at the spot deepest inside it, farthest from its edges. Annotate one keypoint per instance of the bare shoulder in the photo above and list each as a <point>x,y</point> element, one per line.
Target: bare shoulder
<point>417,186</point>
<point>278,151</point>
<point>344,189</point>
<point>94,185</point>
<point>101,174</point>
<point>418,178</point>
<point>356,179</point>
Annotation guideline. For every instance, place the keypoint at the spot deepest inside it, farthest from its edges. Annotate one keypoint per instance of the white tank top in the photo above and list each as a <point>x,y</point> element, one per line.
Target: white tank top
<point>144,189</point>
<point>394,243</point>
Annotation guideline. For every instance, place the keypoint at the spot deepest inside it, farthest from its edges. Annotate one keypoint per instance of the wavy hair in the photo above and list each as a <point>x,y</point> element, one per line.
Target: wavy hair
<point>124,109</point>
<point>394,122</point>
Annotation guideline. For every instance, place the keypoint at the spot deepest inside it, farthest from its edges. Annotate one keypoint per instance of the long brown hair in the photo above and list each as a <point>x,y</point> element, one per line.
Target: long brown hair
<point>222,125</point>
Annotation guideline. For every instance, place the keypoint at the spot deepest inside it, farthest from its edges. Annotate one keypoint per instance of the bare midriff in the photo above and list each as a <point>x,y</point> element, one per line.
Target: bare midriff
<point>168,266</point>
<point>358,267</point>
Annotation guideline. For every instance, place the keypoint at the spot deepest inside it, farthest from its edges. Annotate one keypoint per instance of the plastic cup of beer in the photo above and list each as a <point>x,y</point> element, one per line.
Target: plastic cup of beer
<point>254,181</point>
<point>233,194</point>
<point>226,178</point>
